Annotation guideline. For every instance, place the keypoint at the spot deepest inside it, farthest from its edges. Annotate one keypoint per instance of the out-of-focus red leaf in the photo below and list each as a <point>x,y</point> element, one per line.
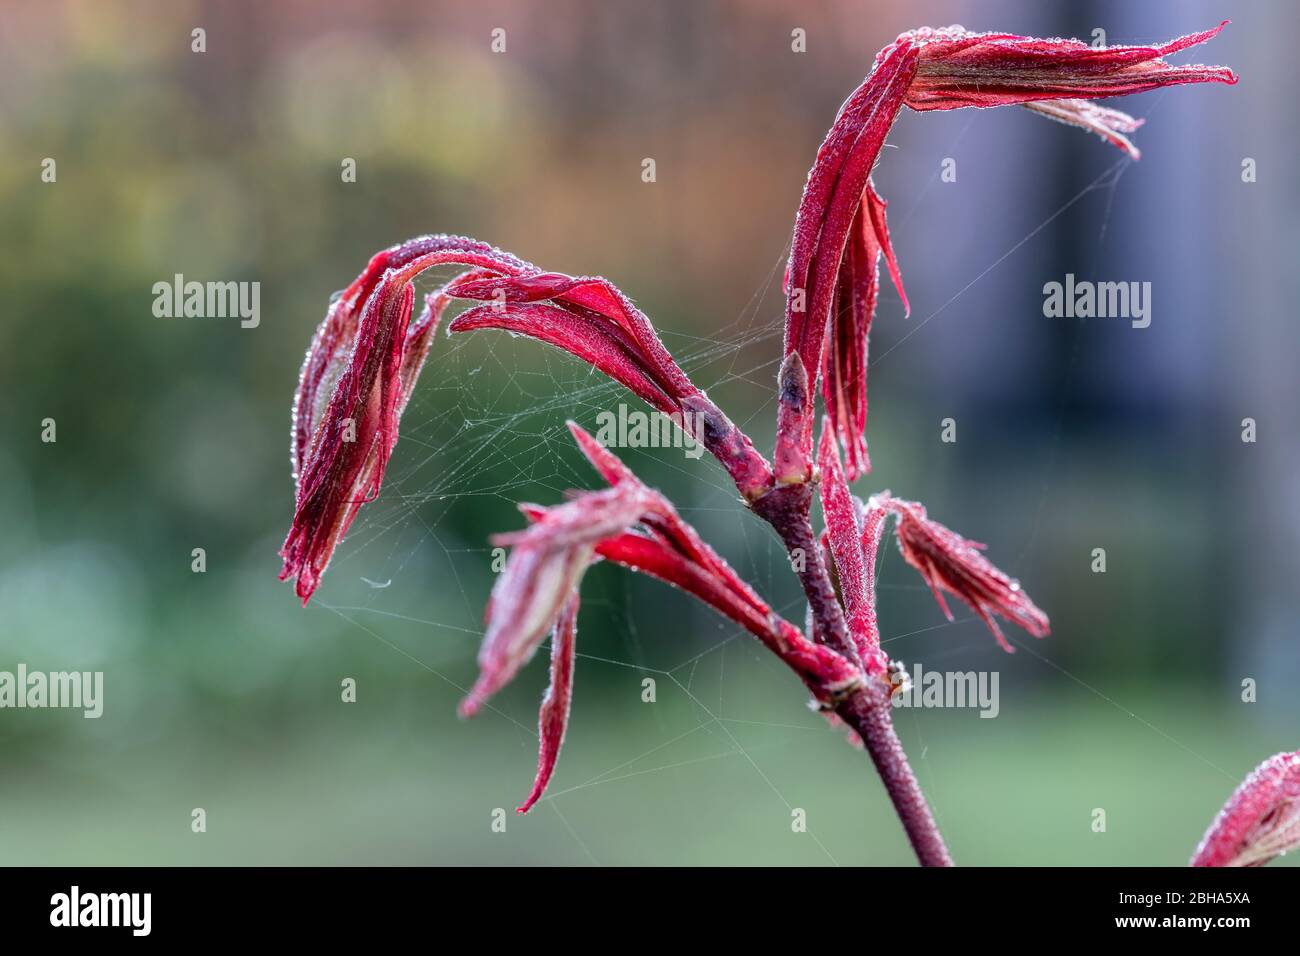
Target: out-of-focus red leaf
<point>1260,821</point>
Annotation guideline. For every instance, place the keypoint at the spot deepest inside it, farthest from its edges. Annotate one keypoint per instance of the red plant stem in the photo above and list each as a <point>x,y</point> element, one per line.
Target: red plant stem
<point>727,443</point>
<point>786,509</point>
<point>867,710</point>
<point>869,713</point>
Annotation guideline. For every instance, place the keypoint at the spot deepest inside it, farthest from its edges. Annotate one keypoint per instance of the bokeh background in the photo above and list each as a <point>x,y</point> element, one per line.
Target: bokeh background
<point>222,693</point>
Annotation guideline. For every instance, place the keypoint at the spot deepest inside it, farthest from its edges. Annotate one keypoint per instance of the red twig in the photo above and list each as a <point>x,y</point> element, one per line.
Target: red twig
<point>869,713</point>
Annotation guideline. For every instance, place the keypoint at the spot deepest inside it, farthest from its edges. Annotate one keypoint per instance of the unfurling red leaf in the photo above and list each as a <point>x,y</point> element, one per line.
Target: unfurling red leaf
<point>844,532</point>
<point>1109,124</point>
<point>367,354</point>
<point>1055,78</point>
<point>602,346</point>
<point>356,380</point>
<point>949,562</point>
<point>553,718</point>
<point>680,555</point>
<point>590,318</point>
<point>832,198</point>
<point>958,68</point>
<point>633,525</point>
<point>590,296</point>
<point>840,233</point>
<point>668,548</point>
<point>547,560</point>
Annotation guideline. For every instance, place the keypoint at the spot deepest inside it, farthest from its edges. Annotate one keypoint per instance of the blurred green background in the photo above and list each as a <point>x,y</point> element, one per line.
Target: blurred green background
<point>173,434</point>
